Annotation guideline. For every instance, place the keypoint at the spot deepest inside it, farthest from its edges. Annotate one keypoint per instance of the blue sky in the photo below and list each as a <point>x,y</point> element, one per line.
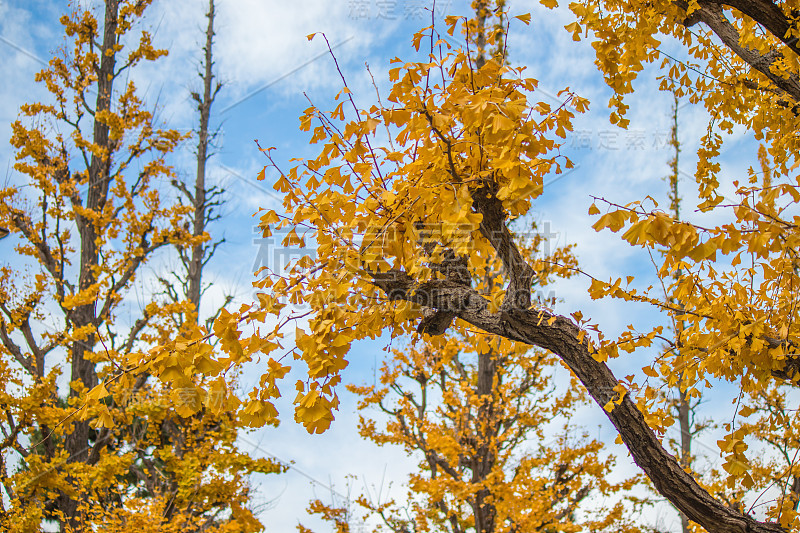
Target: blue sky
<point>270,69</point>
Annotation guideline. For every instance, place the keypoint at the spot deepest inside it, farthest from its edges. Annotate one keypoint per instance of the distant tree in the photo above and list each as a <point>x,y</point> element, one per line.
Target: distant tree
<point>476,415</point>
<point>684,406</point>
<point>89,214</point>
<point>205,200</point>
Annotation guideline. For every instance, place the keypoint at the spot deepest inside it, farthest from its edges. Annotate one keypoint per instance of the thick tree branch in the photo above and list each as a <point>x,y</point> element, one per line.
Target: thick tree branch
<point>769,15</point>
<point>560,335</point>
<point>493,228</point>
<point>712,15</point>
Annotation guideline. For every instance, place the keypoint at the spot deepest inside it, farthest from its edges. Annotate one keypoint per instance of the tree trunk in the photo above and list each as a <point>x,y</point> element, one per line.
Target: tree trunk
<point>200,199</point>
<point>83,370</point>
<point>204,103</point>
<point>485,458</point>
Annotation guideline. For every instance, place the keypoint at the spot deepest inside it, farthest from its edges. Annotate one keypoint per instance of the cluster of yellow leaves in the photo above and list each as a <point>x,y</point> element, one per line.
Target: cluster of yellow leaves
<point>472,467</point>
<point>465,404</point>
<point>628,35</point>
<point>204,467</point>
<point>735,316</point>
<point>448,129</point>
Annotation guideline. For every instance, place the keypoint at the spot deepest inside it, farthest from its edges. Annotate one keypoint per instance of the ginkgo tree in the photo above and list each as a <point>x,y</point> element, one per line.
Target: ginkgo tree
<point>478,412</point>
<point>682,407</point>
<point>410,199</point>
<point>89,212</point>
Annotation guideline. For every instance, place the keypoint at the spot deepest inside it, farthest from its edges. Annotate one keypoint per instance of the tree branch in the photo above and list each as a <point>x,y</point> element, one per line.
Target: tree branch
<point>559,335</point>
<point>712,15</point>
